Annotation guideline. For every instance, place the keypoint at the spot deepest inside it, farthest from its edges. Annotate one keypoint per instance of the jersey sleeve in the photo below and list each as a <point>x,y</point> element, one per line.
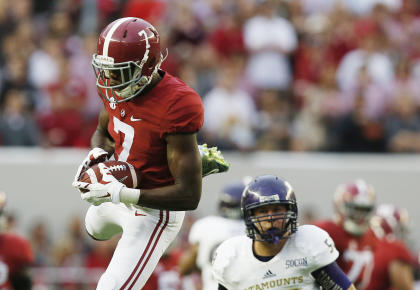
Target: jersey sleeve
<point>401,252</point>
<point>222,259</point>
<point>24,254</point>
<point>27,253</point>
<point>185,114</point>
<point>318,244</point>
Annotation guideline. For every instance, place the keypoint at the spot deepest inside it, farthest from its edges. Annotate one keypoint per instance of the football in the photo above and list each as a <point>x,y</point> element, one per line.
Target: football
<point>124,172</point>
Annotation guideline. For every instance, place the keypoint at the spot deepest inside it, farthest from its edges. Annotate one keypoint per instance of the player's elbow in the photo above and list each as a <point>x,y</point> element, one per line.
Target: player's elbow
<point>191,195</point>
<point>193,202</point>
<point>191,199</point>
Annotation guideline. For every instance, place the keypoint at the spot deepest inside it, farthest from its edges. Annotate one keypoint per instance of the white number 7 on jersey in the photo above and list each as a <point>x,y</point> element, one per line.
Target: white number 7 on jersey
<point>128,132</point>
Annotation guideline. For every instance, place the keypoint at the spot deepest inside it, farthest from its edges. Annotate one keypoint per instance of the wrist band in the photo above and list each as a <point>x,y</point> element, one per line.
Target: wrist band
<point>117,192</point>
<point>129,195</point>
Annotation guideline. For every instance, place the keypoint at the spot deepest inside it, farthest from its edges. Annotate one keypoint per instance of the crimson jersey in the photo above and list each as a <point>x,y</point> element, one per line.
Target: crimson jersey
<point>138,127</point>
<point>356,252</point>
<point>386,252</point>
<point>15,254</point>
<point>365,259</point>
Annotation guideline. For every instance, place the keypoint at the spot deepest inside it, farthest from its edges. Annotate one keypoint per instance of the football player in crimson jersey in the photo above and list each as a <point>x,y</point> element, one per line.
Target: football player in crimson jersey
<point>16,256</point>
<point>276,253</point>
<point>394,262</point>
<point>369,262</point>
<point>150,120</point>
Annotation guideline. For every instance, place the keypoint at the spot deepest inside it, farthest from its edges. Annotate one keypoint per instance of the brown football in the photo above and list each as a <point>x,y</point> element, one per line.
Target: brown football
<point>124,172</point>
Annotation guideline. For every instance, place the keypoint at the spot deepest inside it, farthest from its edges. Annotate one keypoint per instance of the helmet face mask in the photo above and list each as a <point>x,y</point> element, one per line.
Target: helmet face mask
<point>127,60</point>
<point>119,83</point>
<point>357,219</point>
<point>269,208</point>
<point>229,210</point>
<point>272,227</point>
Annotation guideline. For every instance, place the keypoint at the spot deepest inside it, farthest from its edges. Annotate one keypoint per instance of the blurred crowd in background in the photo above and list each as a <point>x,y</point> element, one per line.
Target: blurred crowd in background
<point>301,75</point>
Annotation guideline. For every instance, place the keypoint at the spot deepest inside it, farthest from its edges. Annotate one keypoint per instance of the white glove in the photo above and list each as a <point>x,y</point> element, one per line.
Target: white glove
<point>108,190</point>
<point>94,156</point>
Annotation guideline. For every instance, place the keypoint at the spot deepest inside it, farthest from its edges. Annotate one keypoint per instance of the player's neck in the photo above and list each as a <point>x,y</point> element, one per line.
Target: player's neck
<point>155,80</point>
<point>268,249</point>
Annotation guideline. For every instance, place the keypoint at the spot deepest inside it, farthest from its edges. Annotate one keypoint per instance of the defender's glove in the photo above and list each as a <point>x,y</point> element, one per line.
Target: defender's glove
<point>108,190</point>
<point>212,160</point>
<point>94,156</point>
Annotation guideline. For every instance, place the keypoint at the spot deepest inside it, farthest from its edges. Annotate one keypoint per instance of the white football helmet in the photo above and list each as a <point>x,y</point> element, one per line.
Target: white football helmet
<point>391,221</point>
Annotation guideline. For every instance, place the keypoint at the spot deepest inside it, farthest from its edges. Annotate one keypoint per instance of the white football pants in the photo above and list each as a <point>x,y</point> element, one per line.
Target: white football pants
<point>146,234</point>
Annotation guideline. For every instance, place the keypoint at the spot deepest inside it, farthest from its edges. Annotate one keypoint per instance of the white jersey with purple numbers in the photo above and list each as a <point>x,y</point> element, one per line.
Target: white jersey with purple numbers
<point>310,248</point>
<point>209,233</point>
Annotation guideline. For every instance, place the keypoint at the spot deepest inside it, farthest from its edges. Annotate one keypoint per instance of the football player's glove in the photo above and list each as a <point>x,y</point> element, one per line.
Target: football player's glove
<point>94,156</point>
<point>107,190</point>
<point>212,160</point>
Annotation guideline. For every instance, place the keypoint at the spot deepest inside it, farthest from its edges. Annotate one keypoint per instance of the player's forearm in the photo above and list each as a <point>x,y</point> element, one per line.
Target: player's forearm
<point>187,262</point>
<point>102,140</point>
<point>332,277</point>
<point>401,275</point>
<point>101,137</point>
<point>173,197</point>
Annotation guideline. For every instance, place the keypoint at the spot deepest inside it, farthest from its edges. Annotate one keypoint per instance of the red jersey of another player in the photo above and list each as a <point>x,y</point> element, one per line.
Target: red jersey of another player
<point>138,126</point>
<point>366,259</point>
<point>356,252</point>
<point>15,255</point>
<point>386,252</point>
<point>166,274</point>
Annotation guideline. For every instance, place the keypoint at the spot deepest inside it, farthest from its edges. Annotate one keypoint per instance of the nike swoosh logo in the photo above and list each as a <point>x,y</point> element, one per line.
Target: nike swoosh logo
<point>139,214</point>
<point>132,119</point>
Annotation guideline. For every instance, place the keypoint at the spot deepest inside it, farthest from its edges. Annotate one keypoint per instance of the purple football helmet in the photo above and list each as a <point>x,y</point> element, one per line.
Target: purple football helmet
<point>230,199</point>
<point>269,190</point>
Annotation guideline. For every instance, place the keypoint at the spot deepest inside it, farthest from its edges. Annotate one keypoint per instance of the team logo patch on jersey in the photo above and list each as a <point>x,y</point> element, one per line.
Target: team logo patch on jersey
<point>269,274</point>
<point>296,262</point>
